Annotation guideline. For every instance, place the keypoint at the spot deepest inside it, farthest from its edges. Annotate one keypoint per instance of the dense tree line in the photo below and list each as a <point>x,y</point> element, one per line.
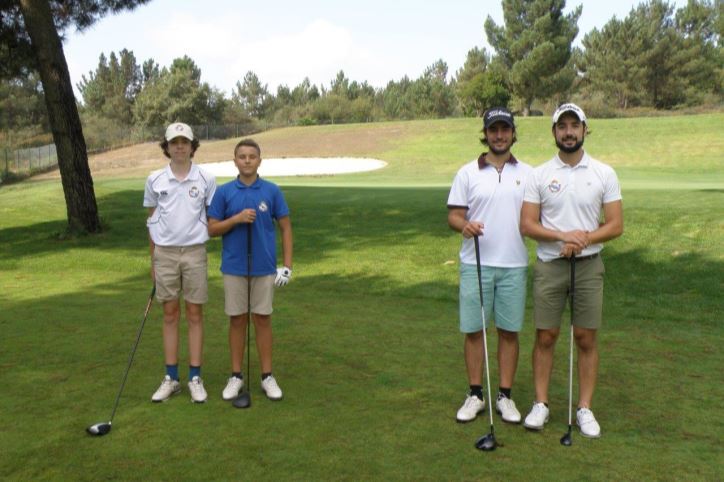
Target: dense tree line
<point>656,57</point>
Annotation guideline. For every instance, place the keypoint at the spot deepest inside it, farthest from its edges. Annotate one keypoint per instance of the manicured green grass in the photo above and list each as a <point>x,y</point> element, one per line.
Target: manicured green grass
<point>366,342</point>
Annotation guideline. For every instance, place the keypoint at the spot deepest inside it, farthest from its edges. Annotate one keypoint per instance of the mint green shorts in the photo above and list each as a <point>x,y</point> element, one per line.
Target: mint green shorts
<point>503,295</point>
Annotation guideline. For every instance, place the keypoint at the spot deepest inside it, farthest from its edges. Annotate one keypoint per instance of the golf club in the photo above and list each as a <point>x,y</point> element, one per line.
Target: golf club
<point>103,428</point>
<point>566,440</point>
<point>243,400</point>
<point>487,442</point>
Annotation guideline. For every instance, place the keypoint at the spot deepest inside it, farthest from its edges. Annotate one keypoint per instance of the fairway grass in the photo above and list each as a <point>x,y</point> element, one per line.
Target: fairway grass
<point>367,348</point>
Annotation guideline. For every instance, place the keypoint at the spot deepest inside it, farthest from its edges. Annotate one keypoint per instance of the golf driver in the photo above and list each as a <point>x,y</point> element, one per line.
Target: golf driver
<point>566,440</point>
<point>243,400</point>
<point>104,427</point>
<point>486,443</point>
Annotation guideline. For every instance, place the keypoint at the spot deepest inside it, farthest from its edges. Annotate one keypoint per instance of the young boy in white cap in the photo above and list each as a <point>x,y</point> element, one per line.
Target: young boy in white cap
<point>177,197</point>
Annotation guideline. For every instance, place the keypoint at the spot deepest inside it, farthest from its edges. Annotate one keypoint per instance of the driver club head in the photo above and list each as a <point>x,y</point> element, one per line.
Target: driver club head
<point>243,400</point>
<point>486,443</point>
<point>99,429</point>
<point>567,440</point>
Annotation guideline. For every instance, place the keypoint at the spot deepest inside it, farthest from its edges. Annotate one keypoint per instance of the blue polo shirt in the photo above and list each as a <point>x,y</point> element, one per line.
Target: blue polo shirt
<point>268,201</point>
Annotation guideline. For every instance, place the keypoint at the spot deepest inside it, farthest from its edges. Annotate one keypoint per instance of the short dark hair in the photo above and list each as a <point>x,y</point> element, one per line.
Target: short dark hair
<point>248,143</point>
<point>194,145</point>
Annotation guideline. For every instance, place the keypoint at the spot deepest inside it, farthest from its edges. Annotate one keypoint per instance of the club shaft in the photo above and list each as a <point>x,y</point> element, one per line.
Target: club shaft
<point>485,337</point>
<point>248,299</point>
<point>133,351</point>
<point>570,345</point>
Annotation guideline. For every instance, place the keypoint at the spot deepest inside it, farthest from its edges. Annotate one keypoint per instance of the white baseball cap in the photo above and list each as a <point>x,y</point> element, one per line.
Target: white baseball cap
<point>563,108</point>
<point>179,129</point>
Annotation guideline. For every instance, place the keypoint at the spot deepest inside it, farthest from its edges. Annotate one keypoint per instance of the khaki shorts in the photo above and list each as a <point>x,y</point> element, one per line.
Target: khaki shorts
<point>551,283</point>
<point>236,300</point>
<point>180,268</point>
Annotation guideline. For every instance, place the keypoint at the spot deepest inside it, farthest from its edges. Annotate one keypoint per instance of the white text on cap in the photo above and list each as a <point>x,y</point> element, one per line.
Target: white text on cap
<point>563,108</point>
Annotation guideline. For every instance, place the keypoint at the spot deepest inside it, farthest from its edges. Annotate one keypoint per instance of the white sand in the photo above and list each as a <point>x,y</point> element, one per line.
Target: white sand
<point>300,166</point>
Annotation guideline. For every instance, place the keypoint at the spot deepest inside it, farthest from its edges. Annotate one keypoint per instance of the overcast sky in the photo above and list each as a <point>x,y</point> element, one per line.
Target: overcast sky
<point>283,41</point>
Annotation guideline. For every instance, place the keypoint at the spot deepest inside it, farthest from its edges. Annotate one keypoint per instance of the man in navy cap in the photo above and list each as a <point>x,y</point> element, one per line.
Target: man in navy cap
<point>485,201</point>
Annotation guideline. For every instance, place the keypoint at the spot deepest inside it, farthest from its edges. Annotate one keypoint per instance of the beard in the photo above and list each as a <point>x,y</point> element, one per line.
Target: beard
<point>499,152</point>
<point>571,149</point>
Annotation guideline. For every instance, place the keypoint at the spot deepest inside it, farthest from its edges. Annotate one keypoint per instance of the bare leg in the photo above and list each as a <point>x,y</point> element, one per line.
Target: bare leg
<point>508,348</point>
<point>171,314</point>
<point>474,357</point>
<point>237,340</point>
<point>195,319</point>
<point>545,343</point>
<point>263,330</point>
<point>587,364</point>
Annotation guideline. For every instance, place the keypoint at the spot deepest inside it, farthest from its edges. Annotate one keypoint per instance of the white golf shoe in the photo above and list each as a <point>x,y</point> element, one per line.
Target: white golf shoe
<point>233,387</point>
<point>271,388</point>
<point>167,389</point>
<point>507,410</point>
<point>198,393</point>
<point>537,417</point>
<point>472,406</point>
<point>587,423</point>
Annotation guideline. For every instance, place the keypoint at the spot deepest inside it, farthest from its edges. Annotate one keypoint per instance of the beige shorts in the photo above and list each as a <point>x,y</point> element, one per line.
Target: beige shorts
<point>236,301</point>
<point>180,268</point>
<point>551,282</point>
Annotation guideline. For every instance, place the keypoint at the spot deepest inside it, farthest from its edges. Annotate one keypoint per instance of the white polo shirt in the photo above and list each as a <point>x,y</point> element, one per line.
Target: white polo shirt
<point>180,215</point>
<point>493,199</point>
<point>571,198</point>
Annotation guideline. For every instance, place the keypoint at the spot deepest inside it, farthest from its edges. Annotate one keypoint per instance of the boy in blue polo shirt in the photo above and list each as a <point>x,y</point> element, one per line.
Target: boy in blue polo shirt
<point>247,207</point>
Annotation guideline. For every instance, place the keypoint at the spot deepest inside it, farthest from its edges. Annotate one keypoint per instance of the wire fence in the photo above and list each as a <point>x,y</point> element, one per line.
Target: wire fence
<point>21,163</point>
<point>26,162</point>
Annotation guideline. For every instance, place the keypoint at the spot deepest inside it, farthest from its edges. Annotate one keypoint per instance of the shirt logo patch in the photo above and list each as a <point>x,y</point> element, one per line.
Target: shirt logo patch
<point>517,182</point>
<point>163,193</point>
<point>194,192</point>
<point>263,207</point>
<point>554,186</point>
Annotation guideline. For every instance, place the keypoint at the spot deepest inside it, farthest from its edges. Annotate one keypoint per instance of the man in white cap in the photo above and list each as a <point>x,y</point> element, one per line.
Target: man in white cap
<point>485,201</point>
<point>177,197</point>
<point>563,202</point>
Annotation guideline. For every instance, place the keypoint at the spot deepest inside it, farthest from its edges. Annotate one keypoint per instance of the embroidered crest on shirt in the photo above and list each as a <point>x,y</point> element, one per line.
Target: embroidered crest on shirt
<point>263,206</point>
<point>194,192</point>
<point>554,186</point>
<point>517,182</point>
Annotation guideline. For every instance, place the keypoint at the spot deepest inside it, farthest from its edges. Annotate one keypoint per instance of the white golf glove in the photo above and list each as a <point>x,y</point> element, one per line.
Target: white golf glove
<point>283,276</point>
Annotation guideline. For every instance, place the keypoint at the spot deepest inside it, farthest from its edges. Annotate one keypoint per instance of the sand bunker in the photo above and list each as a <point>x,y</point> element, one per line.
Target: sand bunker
<point>300,166</point>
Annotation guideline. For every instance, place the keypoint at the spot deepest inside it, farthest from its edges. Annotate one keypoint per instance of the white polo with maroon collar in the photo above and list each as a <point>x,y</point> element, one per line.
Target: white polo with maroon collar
<point>494,199</point>
<point>180,215</point>
<point>571,198</point>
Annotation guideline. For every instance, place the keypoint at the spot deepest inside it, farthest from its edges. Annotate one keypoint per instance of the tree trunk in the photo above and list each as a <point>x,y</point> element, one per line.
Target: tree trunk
<point>80,200</point>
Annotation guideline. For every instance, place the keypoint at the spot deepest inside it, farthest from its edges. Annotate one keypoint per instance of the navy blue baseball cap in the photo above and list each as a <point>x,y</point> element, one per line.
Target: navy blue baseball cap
<point>498,114</point>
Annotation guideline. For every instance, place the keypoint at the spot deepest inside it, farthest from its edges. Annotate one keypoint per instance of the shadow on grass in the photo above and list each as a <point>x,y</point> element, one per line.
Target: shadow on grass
<point>325,218</point>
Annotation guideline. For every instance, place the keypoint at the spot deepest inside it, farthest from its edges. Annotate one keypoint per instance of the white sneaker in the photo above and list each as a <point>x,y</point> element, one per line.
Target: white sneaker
<point>470,409</point>
<point>233,387</point>
<point>537,417</point>
<point>588,424</point>
<point>507,410</point>
<point>196,387</point>
<point>271,388</point>
<point>166,390</point>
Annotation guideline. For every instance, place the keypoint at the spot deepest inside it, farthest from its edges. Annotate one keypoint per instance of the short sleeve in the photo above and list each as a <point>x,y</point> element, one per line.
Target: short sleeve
<point>280,204</point>
<point>217,207</point>
<point>612,188</point>
<point>150,198</point>
<point>532,194</point>
<point>458,196</point>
